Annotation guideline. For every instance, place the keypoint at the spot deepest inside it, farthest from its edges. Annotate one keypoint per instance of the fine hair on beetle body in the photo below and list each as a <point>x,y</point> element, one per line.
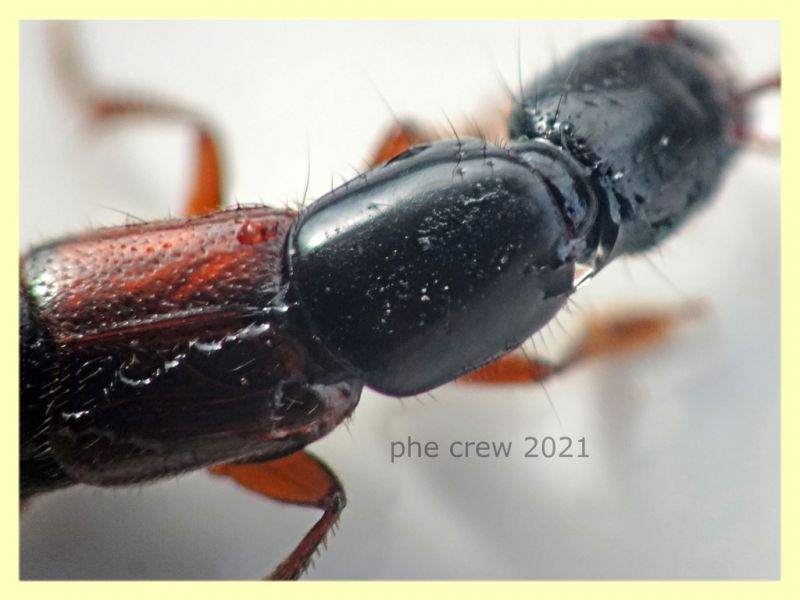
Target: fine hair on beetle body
<point>682,437</point>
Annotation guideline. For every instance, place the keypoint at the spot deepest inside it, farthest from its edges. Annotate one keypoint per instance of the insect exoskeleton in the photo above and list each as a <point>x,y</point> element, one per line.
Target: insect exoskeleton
<point>682,438</point>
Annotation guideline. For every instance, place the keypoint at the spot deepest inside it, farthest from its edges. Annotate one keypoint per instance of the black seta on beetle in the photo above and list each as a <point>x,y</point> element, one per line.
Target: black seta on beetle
<point>155,349</point>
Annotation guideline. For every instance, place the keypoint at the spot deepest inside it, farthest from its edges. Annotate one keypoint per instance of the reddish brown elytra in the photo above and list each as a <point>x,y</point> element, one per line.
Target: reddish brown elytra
<point>531,499</point>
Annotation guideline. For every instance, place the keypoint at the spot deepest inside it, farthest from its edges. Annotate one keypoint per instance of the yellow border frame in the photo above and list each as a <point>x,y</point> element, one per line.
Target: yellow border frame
<point>349,9</point>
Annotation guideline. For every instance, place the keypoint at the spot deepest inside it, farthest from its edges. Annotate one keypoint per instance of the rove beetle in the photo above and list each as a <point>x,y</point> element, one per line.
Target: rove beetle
<point>461,157</point>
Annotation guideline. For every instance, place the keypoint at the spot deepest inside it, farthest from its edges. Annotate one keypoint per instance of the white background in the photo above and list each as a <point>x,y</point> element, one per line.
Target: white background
<point>683,478</point>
